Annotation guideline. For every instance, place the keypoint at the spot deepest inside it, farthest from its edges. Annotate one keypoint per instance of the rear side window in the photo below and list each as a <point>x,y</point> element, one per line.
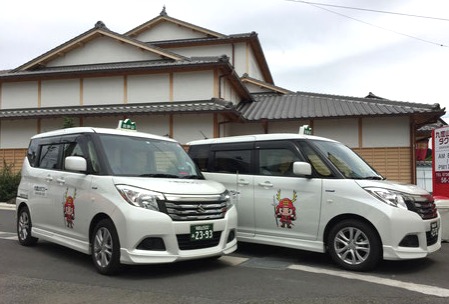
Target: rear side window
<point>200,155</point>
<point>32,152</point>
<point>49,156</point>
<point>232,161</point>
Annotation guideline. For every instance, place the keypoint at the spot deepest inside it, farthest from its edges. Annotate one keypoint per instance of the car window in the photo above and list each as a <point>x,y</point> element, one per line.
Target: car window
<point>145,157</point>
<point>49,156</point>
<point>232,161</point>
<point>318,165</point>
<point>278,162</point>
<point>200,155</point>
<point>32,152</point>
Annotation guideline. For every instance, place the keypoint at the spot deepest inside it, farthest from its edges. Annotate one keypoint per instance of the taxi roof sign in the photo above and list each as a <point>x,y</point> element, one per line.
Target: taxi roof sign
<point>305,129</point>
<point>127,124</point>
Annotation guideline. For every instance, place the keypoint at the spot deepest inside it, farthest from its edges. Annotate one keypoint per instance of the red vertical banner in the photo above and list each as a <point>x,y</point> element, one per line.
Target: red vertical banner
<point>440,161</point>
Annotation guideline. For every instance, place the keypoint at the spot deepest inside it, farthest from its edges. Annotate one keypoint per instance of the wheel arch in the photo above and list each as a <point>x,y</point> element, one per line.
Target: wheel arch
<point>22,205</point>
<point>346,216</point>
<point>96,219</point>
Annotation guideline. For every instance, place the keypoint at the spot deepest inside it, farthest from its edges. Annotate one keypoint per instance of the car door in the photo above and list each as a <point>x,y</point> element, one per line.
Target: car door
<point>286,206</point>
<point>72,203</point>
<point>232,165</point>
<point>42,183</point>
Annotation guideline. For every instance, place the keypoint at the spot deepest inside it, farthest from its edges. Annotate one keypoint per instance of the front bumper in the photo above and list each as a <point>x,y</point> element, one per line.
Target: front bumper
<point>143,224</point>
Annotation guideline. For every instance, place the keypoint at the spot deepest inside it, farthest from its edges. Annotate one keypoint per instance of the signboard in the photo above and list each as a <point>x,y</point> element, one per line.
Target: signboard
<point>305,130</point>
<point>127,124</point>
<point>440,161</point>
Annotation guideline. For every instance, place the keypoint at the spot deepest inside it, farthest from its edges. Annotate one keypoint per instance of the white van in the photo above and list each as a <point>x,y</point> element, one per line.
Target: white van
<point>316,194</point>
<point>124,197</point>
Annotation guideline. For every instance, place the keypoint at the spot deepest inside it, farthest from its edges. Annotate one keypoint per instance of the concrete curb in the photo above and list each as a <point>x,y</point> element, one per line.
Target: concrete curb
<point>5,206</point>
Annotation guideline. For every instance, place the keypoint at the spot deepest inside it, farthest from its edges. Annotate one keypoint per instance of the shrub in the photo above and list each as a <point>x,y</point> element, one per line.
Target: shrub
<point>9,182</point>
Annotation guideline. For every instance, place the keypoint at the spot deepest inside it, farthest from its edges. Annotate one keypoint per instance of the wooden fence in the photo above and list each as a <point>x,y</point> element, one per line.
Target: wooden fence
<point>13,158</point>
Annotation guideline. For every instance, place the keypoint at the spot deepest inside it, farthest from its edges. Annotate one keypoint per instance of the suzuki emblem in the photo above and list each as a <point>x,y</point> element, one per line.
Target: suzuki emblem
<point>200,209</point>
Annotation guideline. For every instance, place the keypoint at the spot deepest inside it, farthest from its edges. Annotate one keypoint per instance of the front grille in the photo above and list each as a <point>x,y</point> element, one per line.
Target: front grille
<point>194,208</point>
<point>423,205</point>
<point>194,211</point>
<point>185,243</point>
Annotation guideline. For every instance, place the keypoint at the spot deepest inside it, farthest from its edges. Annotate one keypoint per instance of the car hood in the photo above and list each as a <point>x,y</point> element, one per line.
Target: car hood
<point>396,186</point>
<point>173,185</point>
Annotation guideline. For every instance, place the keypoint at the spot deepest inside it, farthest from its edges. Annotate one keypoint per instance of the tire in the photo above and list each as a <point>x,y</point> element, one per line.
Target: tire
<point>24,227</point>
<point>106,248</point>
<point>354,245</point>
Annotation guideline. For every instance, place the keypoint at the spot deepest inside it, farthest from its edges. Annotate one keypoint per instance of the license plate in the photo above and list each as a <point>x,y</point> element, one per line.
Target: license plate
<point>434,229</point>
<point>201,232</point>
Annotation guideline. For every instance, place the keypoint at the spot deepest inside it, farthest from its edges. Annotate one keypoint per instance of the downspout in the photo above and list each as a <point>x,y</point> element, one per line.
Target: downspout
<point>413,149</point>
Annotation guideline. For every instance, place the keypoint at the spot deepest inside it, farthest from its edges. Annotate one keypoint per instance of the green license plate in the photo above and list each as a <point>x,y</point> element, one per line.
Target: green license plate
<point>201,232</point>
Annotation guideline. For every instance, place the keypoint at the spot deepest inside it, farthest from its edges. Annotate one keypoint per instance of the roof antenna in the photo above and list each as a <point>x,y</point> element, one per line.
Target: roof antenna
<point>205,137</point>
<point>163,12</point>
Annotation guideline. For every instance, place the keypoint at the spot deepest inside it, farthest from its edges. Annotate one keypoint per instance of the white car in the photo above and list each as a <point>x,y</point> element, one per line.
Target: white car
<point>316,194</point>
<point>124,197</point>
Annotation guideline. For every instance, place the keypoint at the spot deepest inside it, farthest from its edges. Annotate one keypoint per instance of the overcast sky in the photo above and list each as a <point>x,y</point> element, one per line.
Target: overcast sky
<point>308,48</point>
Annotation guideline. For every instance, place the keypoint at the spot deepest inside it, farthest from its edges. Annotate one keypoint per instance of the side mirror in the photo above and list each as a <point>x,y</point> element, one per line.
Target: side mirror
<point>75,163</point>
<point>302,168</point>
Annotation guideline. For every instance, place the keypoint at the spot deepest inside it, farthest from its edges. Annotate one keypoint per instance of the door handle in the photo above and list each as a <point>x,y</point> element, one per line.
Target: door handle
<point>49,178</point>
<point>60,180</point>
<point>266,185</point>
<point>243,182</point>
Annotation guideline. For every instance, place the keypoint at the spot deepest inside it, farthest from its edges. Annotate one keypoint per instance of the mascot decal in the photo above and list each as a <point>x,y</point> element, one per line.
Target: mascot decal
<point>69,208</point>
<point>284,210</point>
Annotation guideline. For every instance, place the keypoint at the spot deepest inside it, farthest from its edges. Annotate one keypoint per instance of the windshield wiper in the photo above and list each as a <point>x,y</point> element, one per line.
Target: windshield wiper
<point>159,175</point>
<point>192,177</point>
<point>374,177</point>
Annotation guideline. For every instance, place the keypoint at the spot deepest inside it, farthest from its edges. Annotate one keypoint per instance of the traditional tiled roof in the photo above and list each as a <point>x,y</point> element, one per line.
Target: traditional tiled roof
<point>252,38</point>
<point>303,105</point>
<point>98,30</point>
<point>163,17</point>
<point>268,86</point>
<point>115,66</point>
<point>200,106</point>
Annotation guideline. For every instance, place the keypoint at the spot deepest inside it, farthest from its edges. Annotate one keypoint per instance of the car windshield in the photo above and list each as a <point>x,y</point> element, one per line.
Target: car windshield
<point>146,157</point>
<point>346,161</point>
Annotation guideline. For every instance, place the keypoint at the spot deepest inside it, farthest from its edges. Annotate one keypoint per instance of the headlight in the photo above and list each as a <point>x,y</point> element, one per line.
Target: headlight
<point>392,198</point>
<point>229,197</point>
<point>140,197</point>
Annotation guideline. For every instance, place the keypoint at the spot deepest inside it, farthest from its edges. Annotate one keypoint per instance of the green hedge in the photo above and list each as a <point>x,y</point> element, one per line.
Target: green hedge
<point>9,182</point>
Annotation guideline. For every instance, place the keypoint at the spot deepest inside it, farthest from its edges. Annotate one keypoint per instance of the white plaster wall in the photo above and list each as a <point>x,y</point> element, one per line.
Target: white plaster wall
<point>240,59</point>
<point>286,127</point>
<point>103,50</point>
<point>386,132</point>
<point>105,90</point>
<point>254,70</point>
<point>234,129</point>
<point>59,93</point>
<point>101,122</point>
<point>51,124</point>
<point>209,50</point>
<point>252,88</point>
<point>342,130</point>
<point>148,88</point>
<point>153,124</point>
<point>16,134</point>
<point>189,127</point>
<point>227,92</point>
<point>168,31</point>
<point>17,95</point>
<point>193,86</point>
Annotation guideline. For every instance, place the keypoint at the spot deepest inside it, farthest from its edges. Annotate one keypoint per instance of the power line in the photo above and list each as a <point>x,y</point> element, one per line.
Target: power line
<point>319,5</point>
<point>369,10</point>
